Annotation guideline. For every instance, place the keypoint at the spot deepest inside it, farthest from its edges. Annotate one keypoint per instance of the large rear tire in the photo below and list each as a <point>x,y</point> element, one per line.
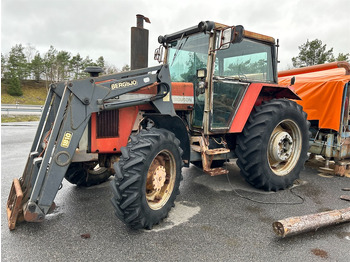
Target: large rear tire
<point>147,178</point>
<point>86,174</point>
<point>272,148</point>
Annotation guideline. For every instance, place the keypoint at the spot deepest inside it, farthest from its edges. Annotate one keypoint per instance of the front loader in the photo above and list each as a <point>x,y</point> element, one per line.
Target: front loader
<point>214,97</point>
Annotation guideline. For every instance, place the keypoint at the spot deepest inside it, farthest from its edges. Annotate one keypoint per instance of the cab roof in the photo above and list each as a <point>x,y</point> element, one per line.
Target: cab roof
<point>207,26</point>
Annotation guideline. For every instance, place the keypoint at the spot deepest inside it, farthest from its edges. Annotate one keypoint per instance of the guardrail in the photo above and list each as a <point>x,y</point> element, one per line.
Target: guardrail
<point>17,109</point>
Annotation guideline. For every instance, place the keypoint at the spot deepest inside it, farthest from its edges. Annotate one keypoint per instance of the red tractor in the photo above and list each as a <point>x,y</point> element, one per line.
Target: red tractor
<point>214,97</point>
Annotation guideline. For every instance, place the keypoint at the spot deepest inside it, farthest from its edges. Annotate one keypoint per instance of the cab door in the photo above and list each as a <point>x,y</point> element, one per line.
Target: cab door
<point>227,96</point>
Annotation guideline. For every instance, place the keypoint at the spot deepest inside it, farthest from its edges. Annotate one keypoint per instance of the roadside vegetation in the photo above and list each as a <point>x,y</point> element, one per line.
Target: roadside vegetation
<point>26,74</point>
<point>27,63</point>
<point>18,118</point>
<point>34,93</point>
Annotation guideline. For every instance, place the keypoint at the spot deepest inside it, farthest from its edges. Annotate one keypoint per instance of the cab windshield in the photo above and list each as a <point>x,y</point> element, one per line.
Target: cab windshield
<point>186,55</point>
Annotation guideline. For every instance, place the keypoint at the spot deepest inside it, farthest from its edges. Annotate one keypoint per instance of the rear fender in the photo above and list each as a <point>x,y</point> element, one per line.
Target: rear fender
<point>255,95</point>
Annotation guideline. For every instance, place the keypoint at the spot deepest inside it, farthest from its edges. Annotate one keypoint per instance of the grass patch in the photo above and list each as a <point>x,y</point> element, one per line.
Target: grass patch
<point>18,118</point>
<point>34,93</point>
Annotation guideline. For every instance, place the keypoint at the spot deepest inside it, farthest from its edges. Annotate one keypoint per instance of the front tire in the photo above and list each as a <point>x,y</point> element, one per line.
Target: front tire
<point>147,178</point>
<point>272,148</point>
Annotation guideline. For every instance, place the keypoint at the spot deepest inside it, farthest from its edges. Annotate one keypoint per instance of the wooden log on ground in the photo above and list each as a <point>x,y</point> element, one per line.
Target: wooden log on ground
<point>345,197</point>
<point>300,224</point>
<point>339,170</point>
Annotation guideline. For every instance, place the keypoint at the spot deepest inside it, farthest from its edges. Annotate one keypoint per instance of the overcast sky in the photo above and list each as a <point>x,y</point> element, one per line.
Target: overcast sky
<point>102,28</point>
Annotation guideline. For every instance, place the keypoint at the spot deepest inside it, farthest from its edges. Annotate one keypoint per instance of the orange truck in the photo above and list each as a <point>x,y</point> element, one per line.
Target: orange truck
<point>325,90</point>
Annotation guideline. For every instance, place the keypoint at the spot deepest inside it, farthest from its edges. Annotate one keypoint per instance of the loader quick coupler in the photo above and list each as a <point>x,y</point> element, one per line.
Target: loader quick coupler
<point>14,203</point>
<point>17,211</point>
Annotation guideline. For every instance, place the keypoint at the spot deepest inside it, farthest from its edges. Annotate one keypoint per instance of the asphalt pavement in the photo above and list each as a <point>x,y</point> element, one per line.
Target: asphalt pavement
<point>215,219</point>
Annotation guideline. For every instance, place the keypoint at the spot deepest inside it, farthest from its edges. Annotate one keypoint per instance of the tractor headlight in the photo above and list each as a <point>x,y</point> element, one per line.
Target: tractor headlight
<point>201,73</point>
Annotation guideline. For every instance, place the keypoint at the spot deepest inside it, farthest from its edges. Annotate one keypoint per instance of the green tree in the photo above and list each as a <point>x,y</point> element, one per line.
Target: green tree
<point>126,67</point>
<point>53,66</point>
<point>3,65</point>
<point>76,64</point>
<point>87,62</point>
<point>101,62</point>
<point>62,65</point>
<point>16,69</point>
<point>49,65</point>
<point>313,53</point>
<point>37,67</point>
<point>17,62</point>
<point>14,84</point>
<point>343,57</point>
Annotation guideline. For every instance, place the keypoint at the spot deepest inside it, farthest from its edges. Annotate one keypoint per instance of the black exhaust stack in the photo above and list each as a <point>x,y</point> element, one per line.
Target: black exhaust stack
<point>139,44</point>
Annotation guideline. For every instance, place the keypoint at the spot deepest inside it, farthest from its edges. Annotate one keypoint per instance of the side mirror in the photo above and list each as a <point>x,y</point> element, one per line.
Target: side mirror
<point>232,35</point>
<point>226,36</point>
<point>238,34</point>
<point>158,54</point>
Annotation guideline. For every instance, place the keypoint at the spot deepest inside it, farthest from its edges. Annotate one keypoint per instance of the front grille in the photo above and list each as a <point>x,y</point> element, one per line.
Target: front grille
<point>107,124</point>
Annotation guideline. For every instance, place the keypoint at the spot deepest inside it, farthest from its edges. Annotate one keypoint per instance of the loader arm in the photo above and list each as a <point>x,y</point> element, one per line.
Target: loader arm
<point>66,113</point>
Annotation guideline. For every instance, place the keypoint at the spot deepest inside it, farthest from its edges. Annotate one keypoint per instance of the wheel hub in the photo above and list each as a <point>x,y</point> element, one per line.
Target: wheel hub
<point>156,177</point>
<point>159,178</point>
<point>281,146</point>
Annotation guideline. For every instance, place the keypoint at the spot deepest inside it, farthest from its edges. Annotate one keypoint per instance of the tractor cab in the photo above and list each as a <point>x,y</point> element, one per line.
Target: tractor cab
<point>220,63</point>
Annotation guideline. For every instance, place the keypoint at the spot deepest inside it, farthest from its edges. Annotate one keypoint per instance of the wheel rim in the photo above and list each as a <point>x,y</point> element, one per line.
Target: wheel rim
<point>284,147</point>
<point>160,180</point>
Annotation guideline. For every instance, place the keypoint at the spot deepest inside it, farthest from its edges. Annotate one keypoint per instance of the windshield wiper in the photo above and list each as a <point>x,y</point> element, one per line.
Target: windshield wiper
<point>180,47</point>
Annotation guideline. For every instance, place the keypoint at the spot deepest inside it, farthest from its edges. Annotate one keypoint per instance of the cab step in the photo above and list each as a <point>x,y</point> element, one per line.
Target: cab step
<point>217,151</point>
<point>216,171</point>
<point>200,144</point>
